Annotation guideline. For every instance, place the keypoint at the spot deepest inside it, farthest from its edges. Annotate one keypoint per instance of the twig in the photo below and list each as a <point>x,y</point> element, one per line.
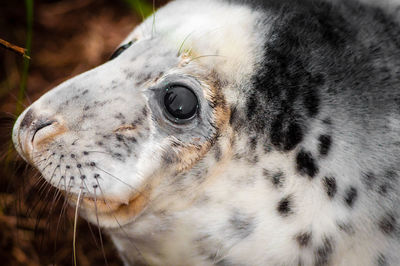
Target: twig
<point>16,49</point>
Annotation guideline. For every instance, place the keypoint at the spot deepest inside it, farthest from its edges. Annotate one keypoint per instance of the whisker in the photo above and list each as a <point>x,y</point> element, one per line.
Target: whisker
<point>98,226</point>
<point>18,101</point>
<point>63,208</point>
<point>183,42</point>
<point>92,234</point>
<point>90,227</point>
<point>53,203</point>
<point>75,225</point>
<point>153,28</point>
<point>12,115</point>
<point>117,179</point>
<point>202,56</point>
<point>32,192</point>
<point>120,226</point>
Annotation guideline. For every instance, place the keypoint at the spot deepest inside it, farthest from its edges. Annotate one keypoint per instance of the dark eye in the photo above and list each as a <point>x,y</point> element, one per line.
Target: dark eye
<point>180,102</point>
<point>120,50</point>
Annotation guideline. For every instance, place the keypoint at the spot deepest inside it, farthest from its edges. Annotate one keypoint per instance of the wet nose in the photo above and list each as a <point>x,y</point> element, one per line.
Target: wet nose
<point>39,125</point>
<point>35,129</point>
<point>33,124</point>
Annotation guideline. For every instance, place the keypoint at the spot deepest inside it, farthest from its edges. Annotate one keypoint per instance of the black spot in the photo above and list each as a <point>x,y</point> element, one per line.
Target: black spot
<point>28,119</point>
<point>67,166</point>
<point>253,143</point>
<point>253,159</point>
<point>327,121</point>
<point>85,153</point>
<point>169,157</point>
<point>303,239</point>
<point>72,177</point>
<point>277,179</point>
<point>119,137</point>
<point>72,155</point>
<point>351,196</point>
<point>383,189</point>
<point>345,227</point>
<point>138,121</point>
<point>330,186</point>
<point>83,177</point>
<point>387,224</point>
<point>293,136</point>
<point>242,225</point>
<point>285,138</point>
<point>120,116</point>
<point>144,111</point>
<point>311,100</point>
<point>95,186</point>
<point>96,176</point>
<point>217,153</point>
<point>306,164</point>
<point>266,173</point>
<point>325,142</point>
<point>267,147</point>
<point>381,260</point>
<point>92,163</point>
<point>61,156</point>
<point>50,163</point>
<point>79,165</point>
<point>368,179</point>
<point>323,253</point>
<point>233,117</point>
<point>390,175</point>
<point>100,143</point>
<point>62,177</point>
<point>285,206</point>
<point>132,139</point>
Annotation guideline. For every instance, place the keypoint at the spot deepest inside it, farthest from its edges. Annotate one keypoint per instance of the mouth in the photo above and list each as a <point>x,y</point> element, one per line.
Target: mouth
<point>110,212</point>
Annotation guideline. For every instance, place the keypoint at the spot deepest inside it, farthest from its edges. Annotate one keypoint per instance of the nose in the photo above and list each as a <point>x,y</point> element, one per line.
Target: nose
<point>39,125</point>
<point>33,130</point>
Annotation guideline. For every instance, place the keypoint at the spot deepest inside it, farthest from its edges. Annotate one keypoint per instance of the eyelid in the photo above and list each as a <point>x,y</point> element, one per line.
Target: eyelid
<point>120,50</point>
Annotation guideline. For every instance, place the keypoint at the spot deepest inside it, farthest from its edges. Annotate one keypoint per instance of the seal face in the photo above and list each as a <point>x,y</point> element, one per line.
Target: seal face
<point>235,133</point>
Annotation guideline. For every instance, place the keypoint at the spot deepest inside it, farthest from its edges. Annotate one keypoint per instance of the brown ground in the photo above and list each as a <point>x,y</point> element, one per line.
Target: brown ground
<point>69,37</point>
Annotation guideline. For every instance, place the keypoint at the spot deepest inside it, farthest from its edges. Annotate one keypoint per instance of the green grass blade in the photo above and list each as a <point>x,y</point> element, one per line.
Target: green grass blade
<point>28,44</point>
<point>140,7</point>
<point>25,69</point>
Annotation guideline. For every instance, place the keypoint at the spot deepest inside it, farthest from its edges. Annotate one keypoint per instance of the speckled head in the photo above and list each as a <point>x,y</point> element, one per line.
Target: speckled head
<point>113,132</point>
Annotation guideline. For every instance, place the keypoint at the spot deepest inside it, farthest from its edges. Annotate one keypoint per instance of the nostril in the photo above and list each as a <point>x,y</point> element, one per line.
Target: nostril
<point>28,119</point>
<point>40,125</point>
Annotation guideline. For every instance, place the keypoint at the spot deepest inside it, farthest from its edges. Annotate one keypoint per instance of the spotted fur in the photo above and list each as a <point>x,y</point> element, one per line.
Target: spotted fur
<point>292,156</point>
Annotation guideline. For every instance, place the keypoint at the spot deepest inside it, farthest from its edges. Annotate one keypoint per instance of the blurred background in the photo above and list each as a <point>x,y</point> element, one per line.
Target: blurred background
<point>63,38</point>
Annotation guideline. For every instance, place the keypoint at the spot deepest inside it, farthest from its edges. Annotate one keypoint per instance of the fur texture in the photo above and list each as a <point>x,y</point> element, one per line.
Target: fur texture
<point>291,159</point>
